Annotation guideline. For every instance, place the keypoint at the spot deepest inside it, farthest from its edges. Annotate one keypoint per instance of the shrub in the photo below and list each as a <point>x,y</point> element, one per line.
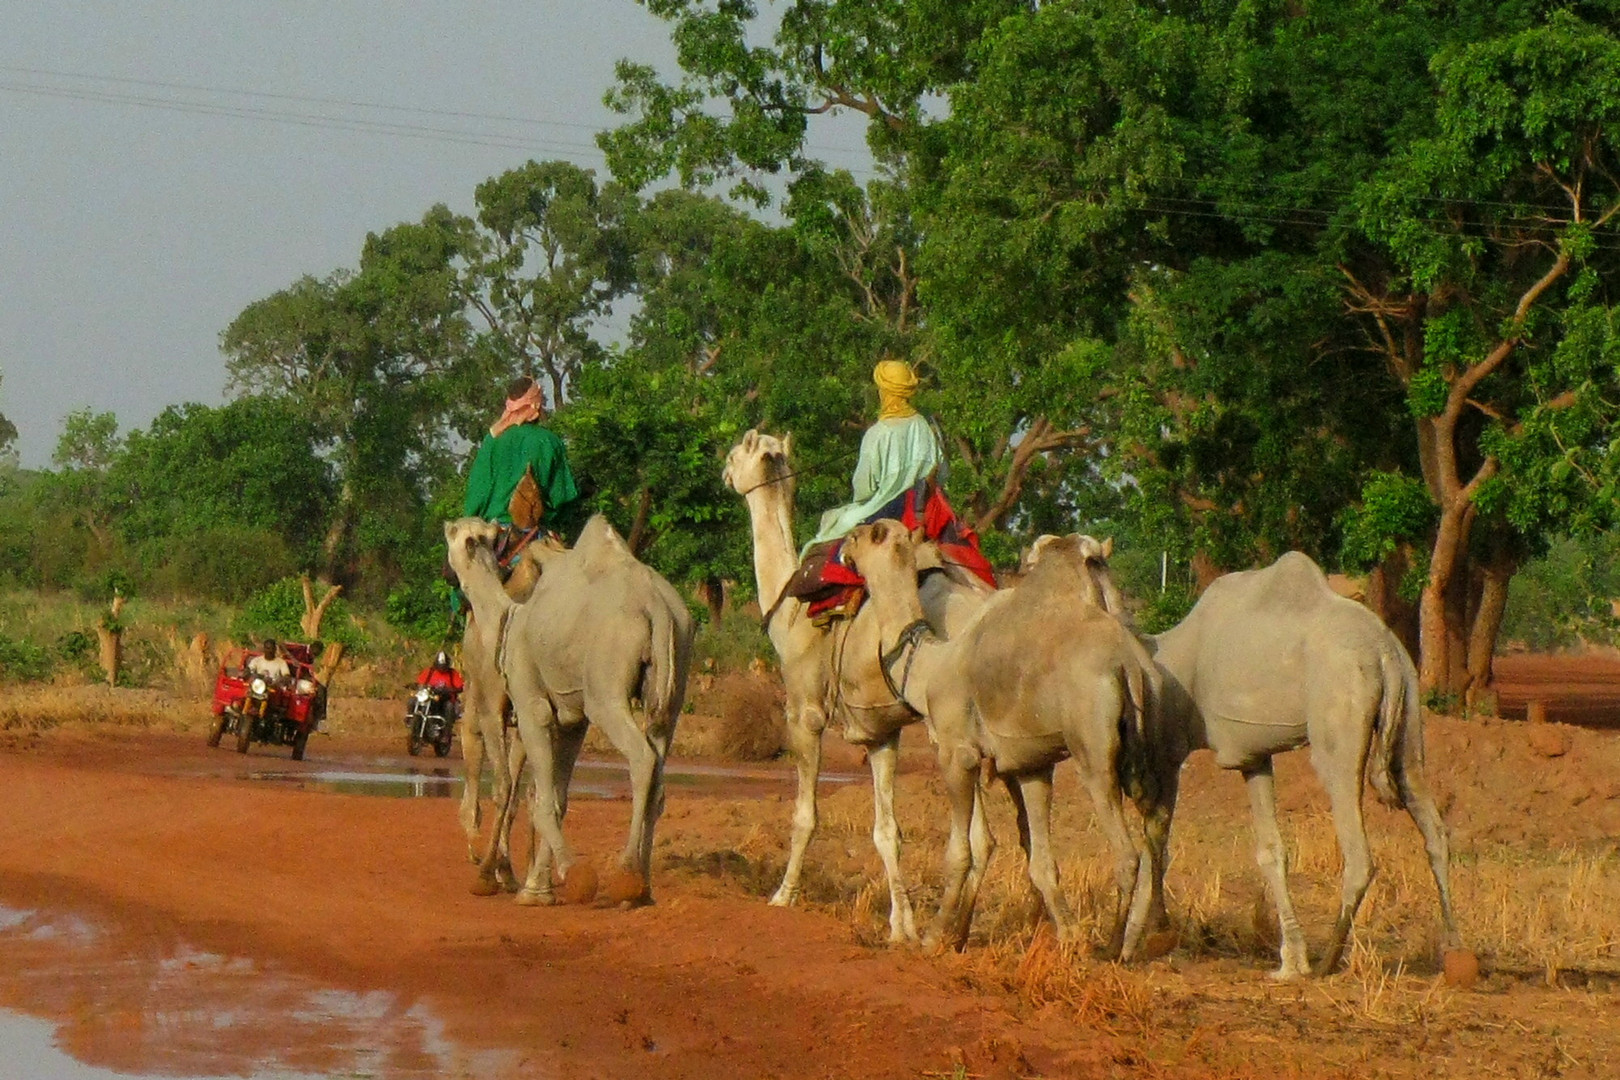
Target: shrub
<point>277,611</point>
<point>23,661</point>
<point>419,610</point>
<point>226,562</point>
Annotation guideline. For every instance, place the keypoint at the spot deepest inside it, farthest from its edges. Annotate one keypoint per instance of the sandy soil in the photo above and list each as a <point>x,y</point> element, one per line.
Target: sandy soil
<point>170,916</point>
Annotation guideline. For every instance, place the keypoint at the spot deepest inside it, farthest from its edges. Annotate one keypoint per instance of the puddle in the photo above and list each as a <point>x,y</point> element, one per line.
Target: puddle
<point>80,1000</point>
<point>592,780</point>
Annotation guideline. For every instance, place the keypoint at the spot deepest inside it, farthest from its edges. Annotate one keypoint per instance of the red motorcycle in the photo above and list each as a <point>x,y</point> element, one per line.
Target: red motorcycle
<point>282,712</point>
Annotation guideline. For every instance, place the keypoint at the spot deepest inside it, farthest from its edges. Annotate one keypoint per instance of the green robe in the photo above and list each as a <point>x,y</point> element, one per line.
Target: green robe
<point>499,466</point>
<point>895,455</point>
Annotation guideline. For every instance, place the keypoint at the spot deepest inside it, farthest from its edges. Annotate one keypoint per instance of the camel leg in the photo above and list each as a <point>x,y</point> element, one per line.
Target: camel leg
<point>884,757</point>
<point>470,812</point>
<point>537,726</point>
<point>1036,787</point>
<point>618,723</point>
<point>1157,815</point>
<point>1341,775</point>
<point>1426,816</point>
<point>1130,864</point>
<point>655,802</point>
<point>1273,862</point>
<point>981,845</point>
<point>495,873</point>
<point>960,768</point>
<point>569,741</point>
<point>1032,904</point>
<point>804,727</point>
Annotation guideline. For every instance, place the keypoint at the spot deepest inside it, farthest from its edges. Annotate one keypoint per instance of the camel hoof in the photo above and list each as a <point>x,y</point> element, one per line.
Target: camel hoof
<point>526,898</point>
<point>1157,944</point>
<point>579,884</point>
<point>484,886</point>
<point>624,887</point>
<point>1461,968</point>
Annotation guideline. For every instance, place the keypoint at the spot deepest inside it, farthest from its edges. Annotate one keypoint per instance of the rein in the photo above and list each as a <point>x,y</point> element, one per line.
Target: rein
<point>906,643</point>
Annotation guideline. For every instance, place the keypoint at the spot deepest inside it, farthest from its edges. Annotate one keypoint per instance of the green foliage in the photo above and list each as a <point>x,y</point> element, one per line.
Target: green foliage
<point>420,609</point>
<point>1394,509</point>
<point>1566,597</point>
<point>277,611</point>
<point>732,644</point>
<point>22,661</point>
<point>1165,608</point>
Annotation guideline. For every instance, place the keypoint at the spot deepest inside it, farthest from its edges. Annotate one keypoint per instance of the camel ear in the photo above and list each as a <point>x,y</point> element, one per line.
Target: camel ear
<point>787,446</point>
<point>1108,548</point>
<point>917,535</point>
<point>749,439</point>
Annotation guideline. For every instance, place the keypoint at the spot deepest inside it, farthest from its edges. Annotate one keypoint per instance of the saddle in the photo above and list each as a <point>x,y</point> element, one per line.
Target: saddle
<point>834,591</point>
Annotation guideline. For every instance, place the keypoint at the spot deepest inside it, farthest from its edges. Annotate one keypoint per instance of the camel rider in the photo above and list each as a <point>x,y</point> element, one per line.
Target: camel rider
<point>518,446</point>
<point>899,452</point>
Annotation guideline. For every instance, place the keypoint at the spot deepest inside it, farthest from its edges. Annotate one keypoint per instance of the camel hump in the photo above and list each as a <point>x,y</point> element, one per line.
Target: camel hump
<point>601,549</point>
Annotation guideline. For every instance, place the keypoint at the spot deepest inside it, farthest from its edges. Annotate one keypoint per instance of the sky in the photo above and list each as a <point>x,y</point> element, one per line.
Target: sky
<point>140,214</point>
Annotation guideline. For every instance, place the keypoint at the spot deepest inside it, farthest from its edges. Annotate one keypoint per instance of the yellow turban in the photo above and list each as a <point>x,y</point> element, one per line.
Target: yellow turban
<point>896,383</point>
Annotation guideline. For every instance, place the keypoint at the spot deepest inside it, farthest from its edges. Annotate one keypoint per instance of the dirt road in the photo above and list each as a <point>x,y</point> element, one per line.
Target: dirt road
<point>169,916</point>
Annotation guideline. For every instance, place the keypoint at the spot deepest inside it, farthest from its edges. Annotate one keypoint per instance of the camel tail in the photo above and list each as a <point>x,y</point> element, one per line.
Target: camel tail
<point>1136,774</point>
<point>663,690</point>
<point>1398,736</point>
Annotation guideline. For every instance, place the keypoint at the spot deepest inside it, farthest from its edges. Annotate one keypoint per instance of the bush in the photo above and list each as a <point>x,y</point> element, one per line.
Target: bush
<point>227,562</point>
<point>277,611</point>
<point>23,661</point>
<point>420,610</point>
<point>731,644</point>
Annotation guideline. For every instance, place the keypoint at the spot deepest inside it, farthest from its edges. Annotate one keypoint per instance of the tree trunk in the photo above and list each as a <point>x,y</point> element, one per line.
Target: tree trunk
<point>110,636</point>
<point>332,545</point>
<point>330,659</point>
<point>1436,629</point>
<point>713,592</point>
<point>638,538</point>
<point>1495,579</point>
<point>315,611</point>
<point>1204,571</point>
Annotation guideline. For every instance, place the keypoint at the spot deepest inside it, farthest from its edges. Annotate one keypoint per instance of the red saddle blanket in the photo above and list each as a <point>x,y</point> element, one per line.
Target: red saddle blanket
<point>832,587</point>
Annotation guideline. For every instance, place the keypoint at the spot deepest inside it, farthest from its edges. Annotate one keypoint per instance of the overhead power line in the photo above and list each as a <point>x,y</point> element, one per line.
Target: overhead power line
<point>529,139</point>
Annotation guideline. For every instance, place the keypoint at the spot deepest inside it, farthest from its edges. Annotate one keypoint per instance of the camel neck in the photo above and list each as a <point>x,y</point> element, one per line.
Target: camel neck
<point>482,585</point>
<point>896,607</point>
<point>770,512</point>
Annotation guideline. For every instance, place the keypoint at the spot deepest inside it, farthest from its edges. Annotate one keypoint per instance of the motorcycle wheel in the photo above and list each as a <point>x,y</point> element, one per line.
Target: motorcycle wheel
<point>413,744</point>
<point>244,733</point>
<point>442,746</point>
<point>299,742</point>
<point>219,729</point>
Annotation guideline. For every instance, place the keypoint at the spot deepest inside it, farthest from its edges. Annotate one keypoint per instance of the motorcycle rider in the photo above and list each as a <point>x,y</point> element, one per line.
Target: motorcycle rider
<point>442,676</point>
<point>271,667</point>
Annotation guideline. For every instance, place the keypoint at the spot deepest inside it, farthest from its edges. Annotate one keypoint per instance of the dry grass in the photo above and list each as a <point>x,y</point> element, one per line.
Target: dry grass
<point>28,712</point>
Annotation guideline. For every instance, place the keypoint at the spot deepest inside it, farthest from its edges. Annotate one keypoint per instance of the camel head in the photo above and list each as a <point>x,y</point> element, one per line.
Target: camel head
<point>1087,557</point>
<point>879,548</point>
<point>760,460</point>
<point>467,539</point>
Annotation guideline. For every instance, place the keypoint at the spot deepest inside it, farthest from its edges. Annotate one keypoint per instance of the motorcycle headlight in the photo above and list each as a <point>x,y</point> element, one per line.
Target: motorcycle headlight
<point>257,686</point>
<point>422,694</point>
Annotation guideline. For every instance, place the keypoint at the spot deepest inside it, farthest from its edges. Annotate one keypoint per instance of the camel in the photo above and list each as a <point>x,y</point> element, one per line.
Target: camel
<point>1043,673</point>
<point>832,672</point>
<point>483,705</point>
<point>1271,660</point>
<point>599,635</point>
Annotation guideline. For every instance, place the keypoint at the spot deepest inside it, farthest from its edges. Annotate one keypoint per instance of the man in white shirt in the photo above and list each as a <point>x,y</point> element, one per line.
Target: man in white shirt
<point>272,667</point>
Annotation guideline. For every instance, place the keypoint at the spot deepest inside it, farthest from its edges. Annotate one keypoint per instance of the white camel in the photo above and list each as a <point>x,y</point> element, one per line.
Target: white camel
<point>1271,660</point>
<point>600,635</point>
<point>483,710</point>
<point>1043,673</point>
<point>833,672</point>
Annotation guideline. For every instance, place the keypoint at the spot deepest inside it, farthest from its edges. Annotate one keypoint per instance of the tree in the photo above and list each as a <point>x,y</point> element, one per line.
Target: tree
<point>87,447</point>
<point>8,432</point>
<point>549,261</point>
<point>376,359</point>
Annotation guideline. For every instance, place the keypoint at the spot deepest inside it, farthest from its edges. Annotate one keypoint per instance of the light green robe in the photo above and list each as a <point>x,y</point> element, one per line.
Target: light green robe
<point>895,455</point>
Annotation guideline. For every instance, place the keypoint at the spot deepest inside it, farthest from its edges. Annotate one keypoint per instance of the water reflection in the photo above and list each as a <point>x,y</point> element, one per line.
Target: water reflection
<point>592,780</point>
<point>104,1001</point>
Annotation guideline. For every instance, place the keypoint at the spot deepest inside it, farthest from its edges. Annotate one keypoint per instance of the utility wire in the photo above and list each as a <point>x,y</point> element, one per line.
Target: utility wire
<point>183,104</point>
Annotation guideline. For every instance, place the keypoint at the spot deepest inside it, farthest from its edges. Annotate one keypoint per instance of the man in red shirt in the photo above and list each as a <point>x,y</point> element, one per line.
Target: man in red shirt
<point>440,675</point>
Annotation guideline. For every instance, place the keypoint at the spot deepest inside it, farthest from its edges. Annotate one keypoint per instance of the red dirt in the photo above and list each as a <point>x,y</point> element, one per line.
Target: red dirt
<point>141,838</point>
